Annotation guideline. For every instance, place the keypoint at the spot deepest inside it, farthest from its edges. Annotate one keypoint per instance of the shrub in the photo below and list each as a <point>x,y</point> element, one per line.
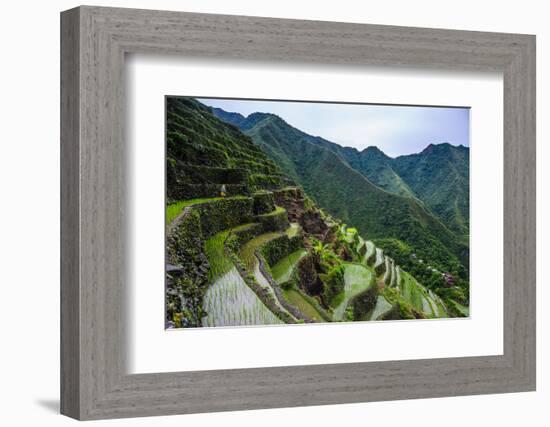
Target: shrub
<point>184,191</point>
<point>263,202</point>
<point>187,284</point>
<point>260,181</point>
<point>242,234</point>
<point>333,283</point>
<point>364,302</point>
<point>278,248</point>
<point>222,214</point>
<point>308,278</point>
<point>276,220</point>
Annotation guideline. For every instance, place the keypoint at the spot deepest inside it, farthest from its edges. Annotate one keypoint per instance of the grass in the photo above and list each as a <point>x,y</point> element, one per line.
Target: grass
<point>293,230</point>
<point>357,279</point>
<point>296,299</point>
<point>282,271</point>
<point>420,298</point>
<point>465,311</point>
<point>247,252</point>
<point>411,291</point>
<point>229,302</point>
<point>174,209</point>
<point>337,300</point>
<point>220,263</point>
<point>278,211</point>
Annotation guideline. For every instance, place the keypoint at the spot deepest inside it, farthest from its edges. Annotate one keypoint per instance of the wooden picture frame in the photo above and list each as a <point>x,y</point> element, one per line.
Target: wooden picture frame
<point>94,41</point>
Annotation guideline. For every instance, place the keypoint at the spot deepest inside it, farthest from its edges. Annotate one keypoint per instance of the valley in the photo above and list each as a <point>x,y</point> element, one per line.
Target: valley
<point>284,231</point>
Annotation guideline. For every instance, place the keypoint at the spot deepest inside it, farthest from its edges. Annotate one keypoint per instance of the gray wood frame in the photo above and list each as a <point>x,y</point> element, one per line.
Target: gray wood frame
<point>94,41</point>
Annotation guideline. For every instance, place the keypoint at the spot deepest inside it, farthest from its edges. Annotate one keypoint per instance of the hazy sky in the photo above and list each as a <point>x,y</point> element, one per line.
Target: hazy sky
<point>396,130</point>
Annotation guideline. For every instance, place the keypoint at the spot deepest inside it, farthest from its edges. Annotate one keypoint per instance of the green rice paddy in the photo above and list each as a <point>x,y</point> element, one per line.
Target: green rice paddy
<point>174,209</point>
<point>230,302</point>
<point>295,298</point>
<point>357,279</point>
<point>282,271</point>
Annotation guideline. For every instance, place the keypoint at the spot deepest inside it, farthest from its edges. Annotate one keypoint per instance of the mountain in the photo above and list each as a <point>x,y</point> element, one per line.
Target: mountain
<point>321,168</point>
<point>246,246</point>
<point>204,153</point>
<point>378,168</point>
<point>229,117</point>
<point>439,176</point>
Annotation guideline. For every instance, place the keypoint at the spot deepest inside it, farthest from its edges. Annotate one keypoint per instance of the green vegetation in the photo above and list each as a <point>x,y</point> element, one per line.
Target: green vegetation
<point>248,252</point>
<point>439,176</point>
<point>187,278</point>
<point>357,279</point>
<point>246,246</point>
<point>420,298</point>
<point>220,263</point>
<point>263,202</point>
<point>296,298</point>
<point>381,308</point>
<point>461,310</point>
<point>230,302</point>
<point>275,220</point>
<point>429,273</point>
<point>285,267</point>
<point>174,209</point>
<point>293,230</point>
<point>278,248</point>
<point>341,180</point>
<point>333,285</point>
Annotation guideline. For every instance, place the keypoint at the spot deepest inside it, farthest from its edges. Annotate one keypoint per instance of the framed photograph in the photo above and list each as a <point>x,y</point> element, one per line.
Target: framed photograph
<point>262,213</point>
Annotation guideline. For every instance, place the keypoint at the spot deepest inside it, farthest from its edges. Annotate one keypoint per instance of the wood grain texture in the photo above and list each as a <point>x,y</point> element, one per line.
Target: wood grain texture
<point>95,238</point>
<point>70,292</point>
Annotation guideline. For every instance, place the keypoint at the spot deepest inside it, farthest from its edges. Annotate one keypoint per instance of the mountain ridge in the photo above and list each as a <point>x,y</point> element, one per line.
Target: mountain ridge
<point>246,246</point>
<point>409,175</point>
<point>345,192</point>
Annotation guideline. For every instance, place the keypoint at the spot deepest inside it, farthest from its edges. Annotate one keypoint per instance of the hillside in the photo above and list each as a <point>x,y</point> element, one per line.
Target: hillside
<point>329,179</point>
<point>438,177</point>
<point>378,168</point>
<point>246,246</point>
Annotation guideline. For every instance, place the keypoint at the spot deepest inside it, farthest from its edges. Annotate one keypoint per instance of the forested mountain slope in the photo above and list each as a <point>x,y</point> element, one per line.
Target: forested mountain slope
<point>247,246</point>
<point>438,176</point>
<point>320,167</point>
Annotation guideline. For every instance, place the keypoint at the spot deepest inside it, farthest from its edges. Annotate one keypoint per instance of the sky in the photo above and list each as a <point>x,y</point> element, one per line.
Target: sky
<point>396,130</point>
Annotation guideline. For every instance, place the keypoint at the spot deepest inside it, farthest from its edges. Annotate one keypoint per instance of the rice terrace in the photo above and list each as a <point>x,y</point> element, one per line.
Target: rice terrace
<point>268,224</point>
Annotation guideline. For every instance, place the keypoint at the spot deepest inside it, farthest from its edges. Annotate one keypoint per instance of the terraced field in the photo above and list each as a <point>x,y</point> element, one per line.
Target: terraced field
<point>219,261</point>
<point>174,209</point>
<point>238,228</point>
<point>382,307</point>
<point>293,230</point>
<point>248,252</point>
<point>357,279</point>
<point>421,298</point>
<point>464,311</point>
<point>264,283</point>
<point>248,256</point>
<point>370,253</point>
<point>296,298</point>
<point>284,268</point>
<point>380,261</point>
<point>230,302</point>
